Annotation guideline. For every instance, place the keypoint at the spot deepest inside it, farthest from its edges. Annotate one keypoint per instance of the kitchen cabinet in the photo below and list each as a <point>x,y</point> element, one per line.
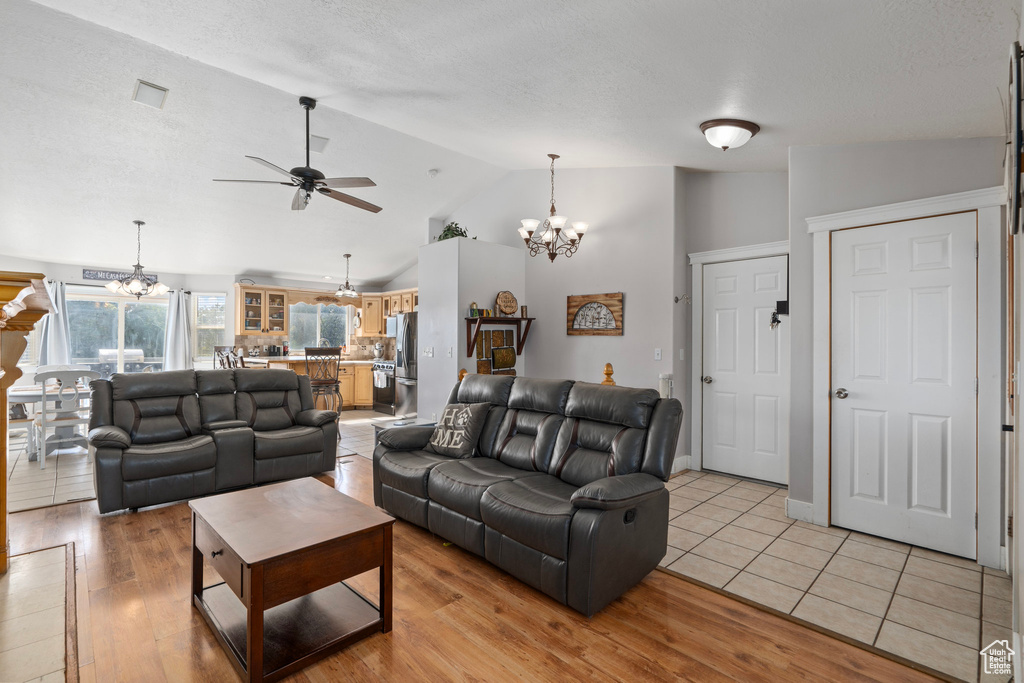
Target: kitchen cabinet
<point>407,306</point>
<point>260,310</point>
<point>373,321</point>
<point>364,385</point>
<point>396,304</point>
<point>346,384</point>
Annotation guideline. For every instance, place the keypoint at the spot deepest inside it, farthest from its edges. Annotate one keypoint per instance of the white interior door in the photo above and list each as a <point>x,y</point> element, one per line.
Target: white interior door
<point>746,369</point>
<point>904,368</point>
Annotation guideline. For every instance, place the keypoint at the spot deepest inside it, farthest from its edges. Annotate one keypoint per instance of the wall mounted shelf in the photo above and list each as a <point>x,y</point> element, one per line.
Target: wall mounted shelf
<point>474,325</point>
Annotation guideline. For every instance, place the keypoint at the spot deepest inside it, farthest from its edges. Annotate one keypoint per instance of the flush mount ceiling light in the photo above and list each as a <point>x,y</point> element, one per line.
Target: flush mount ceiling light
<point>553,238</point>
<point>138,284</point>
<point>149,94</point>
<point>346,290</point>
<point>726,133</point>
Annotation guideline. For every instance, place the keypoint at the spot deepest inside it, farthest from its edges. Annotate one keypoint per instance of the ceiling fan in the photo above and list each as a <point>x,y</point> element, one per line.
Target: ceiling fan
<point>306,179</point>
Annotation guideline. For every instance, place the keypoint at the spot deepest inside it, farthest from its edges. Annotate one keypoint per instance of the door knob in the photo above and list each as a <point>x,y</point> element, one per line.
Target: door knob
<point>842,393</point>
<point>706,379</point>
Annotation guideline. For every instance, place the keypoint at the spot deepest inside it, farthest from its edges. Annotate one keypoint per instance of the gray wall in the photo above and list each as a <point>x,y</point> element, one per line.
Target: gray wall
<point>830,179</point>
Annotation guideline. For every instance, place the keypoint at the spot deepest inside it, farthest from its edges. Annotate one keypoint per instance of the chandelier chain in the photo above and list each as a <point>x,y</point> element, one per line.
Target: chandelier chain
<point>552,187</point>
<point>138,242</point>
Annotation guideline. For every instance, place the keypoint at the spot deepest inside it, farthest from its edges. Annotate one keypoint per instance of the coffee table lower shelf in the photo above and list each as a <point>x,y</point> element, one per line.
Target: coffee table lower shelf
<point>296,633</point>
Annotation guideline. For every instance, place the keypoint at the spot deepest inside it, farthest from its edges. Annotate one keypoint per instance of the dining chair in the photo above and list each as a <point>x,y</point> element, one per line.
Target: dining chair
<point>322,365</point>
<point>226,358</point>
<point>63,390</point>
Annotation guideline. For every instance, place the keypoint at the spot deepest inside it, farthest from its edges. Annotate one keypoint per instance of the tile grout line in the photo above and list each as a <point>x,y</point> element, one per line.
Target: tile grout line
<point>892,596</point>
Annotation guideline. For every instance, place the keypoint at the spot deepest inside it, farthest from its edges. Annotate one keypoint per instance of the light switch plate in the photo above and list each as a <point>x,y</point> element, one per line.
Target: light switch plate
<point>657,354</point>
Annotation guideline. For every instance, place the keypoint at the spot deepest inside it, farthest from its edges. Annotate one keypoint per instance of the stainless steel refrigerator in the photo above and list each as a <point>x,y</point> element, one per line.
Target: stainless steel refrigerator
<point>405,365</point>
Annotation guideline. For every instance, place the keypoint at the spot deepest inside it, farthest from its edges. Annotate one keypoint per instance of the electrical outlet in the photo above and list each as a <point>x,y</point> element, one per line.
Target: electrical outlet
<point>451,351</point>
<point>657,354</point>
<point>428,351</point>
<point>682,354</point>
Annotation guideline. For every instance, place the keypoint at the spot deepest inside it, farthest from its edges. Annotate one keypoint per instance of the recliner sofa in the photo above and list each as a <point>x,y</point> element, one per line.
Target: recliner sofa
<point>167,436</point>
<point>565,489</point>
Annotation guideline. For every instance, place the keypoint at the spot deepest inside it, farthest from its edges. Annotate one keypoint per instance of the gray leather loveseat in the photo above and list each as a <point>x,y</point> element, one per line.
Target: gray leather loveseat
<point>565,489</point>
<point>166,436</point>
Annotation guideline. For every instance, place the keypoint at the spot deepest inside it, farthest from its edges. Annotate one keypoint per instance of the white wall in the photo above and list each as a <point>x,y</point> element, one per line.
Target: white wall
<point>407,279</point>
<point>628,249</point>
<point>454,273</point>
<point>829,179</point>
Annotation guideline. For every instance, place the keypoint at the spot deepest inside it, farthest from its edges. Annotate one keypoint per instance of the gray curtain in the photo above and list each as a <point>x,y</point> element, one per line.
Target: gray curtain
<point>54,331</point>
<point>178,333</point>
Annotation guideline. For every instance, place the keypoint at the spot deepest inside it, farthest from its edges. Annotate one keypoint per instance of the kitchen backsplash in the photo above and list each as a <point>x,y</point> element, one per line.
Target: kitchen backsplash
<point>360,349</point>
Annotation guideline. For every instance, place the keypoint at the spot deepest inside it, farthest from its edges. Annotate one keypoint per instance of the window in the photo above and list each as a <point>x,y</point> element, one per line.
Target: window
<point>30,356</point>
<point>308,324</point>
<point>114,333</point>
<point>208,325</point>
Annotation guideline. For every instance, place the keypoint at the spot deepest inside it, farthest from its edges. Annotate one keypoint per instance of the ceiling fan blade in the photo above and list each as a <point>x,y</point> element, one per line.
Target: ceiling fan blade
<point>299,201</point>
<point>267,182</point>
<point>269,165</point>
<point>346,182</point>
<point>349,199</point>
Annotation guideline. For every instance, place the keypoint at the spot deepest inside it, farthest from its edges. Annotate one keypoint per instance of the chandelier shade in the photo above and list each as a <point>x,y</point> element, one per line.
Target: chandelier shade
<point>552,238</point>
<point>137,283</point>
<point>346,290</point>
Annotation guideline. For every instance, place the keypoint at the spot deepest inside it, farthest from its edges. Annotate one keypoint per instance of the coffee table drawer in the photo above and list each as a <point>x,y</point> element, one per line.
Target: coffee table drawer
<point>220,556</point>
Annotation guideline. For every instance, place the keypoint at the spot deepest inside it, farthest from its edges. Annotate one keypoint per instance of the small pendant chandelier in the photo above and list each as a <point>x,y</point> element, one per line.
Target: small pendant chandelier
<point>138,284</point>
<point>553,238</point>
<point>346,290</point>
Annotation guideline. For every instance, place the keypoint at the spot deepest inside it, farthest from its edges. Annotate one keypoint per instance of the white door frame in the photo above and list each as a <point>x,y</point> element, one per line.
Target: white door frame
<point>988,203</point>
<point>698,260</point>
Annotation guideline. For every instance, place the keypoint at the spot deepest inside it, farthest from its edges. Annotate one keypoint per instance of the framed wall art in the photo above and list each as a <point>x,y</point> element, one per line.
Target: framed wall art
<point>594,314</point>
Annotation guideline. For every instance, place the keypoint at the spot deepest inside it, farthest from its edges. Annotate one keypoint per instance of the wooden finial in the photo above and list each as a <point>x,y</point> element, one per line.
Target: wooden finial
<point>608,381</point>
<point>462,373</point>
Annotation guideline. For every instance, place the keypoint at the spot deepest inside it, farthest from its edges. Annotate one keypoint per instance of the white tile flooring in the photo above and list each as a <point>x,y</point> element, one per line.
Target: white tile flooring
<point>355,431</point>
<point>32,595</point>
<point>67,477</point>
<point>925,606</point>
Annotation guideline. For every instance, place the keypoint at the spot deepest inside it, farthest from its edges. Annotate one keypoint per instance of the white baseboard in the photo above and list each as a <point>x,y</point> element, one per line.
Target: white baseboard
<point>682,462</point>
<point>800,510</point>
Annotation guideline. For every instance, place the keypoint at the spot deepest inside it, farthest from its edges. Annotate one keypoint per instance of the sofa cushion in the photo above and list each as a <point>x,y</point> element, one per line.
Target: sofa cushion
<point>586,451</point>
<point>297,440</point>
<point>156,419</point>
<point>269,410</point>
<point>623,406</point>
<point>148,461</point>
<point>458,430</point>
<point>407,471</point>
<point>535,511</point>
<point>460,485</point>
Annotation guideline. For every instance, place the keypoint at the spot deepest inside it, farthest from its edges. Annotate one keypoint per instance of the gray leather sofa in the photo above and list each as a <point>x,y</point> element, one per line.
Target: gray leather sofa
<point>565,489</point>
<point>166,436</point>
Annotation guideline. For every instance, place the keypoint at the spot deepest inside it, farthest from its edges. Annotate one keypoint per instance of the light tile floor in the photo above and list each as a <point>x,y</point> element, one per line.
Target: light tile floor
<point>355,431</point>
<point>922,605</point>
<point>32,595</point>
<point>67,477</point>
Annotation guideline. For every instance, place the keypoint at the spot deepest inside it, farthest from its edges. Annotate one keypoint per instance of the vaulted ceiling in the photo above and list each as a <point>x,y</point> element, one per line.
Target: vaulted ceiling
<point>472,89</point>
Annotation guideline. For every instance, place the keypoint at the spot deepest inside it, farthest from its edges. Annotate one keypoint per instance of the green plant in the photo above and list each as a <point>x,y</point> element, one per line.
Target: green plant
<point>452,230</point>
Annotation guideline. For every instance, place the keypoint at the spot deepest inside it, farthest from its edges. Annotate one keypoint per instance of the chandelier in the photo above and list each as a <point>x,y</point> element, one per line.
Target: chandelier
<point>346,290</point>
<point>138,284</point>
<point>553,238</point>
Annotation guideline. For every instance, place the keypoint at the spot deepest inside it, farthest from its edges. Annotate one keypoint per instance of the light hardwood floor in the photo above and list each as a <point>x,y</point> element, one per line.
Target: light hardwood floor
<point>456,616</point>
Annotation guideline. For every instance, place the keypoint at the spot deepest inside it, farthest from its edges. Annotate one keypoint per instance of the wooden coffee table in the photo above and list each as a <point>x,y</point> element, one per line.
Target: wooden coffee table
<point>284,551</point>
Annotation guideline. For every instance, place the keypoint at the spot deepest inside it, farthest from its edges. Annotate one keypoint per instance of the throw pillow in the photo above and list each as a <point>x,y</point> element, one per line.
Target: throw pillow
<point>458,429</point>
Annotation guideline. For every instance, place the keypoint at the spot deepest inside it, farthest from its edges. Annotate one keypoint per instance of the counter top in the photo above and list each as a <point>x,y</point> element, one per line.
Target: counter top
<point>264,360</point>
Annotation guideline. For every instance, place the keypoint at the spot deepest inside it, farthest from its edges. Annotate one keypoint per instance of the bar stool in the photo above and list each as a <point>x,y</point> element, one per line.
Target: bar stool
<point>322,365</point>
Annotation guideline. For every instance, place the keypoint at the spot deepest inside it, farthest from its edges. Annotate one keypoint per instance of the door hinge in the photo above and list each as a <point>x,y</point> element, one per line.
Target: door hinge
<point>975,521</point>
<point>976,250</point>
<point>1009,526</point>
<point>975,386</point>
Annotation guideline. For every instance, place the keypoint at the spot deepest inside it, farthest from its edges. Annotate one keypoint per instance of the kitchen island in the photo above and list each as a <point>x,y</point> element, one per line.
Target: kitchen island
<point>355,377</point>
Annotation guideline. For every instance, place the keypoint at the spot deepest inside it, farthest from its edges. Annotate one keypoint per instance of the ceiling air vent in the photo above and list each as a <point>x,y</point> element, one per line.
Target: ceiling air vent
<point>149,94</point>
<point>318,144</point>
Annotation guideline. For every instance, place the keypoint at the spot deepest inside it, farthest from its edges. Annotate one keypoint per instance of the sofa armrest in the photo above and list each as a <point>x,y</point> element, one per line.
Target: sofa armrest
<point>617,492</point>
<point>315,418</point>
<point>224,424</point>
<point>405,438</point>
<point>109,436</point>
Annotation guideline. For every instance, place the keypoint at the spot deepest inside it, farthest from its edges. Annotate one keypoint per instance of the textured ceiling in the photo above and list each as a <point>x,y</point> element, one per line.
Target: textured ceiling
<point>471,88</point>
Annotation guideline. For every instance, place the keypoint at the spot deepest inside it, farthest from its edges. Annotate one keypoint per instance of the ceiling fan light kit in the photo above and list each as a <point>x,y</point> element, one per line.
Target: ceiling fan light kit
<point>137,283</point>
<point>306,179</point>
<point>728,133</point>
<point>553,238</point>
